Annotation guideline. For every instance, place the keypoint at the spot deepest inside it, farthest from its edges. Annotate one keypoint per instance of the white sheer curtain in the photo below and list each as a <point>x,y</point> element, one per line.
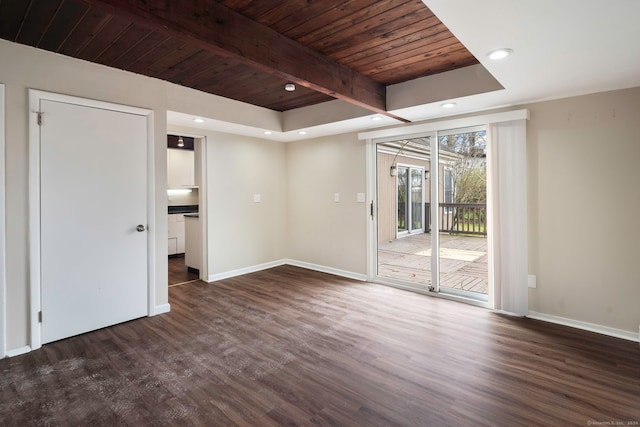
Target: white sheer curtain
<point>507,205</point>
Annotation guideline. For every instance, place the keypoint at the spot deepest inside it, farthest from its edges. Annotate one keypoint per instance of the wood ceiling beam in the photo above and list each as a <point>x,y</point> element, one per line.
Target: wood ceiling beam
<point>227,33</point>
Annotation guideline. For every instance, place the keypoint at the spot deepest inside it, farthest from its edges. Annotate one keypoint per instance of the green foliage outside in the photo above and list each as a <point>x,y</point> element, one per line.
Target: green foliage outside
<point>469,167</point>
<point>469,174</point>
<point>471,186</point>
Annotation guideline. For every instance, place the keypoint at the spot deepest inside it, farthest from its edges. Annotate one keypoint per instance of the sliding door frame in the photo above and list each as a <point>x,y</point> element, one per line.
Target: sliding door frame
<point>412,131</point>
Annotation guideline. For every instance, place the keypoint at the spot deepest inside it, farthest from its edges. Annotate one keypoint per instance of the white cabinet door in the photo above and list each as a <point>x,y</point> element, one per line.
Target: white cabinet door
<point>173,246</point>
<point>193,240</point>
<point>181,233</point>
<point>172,234</point>
<point>93,196</point>
<point>176,232</point>
<point>180,168</point>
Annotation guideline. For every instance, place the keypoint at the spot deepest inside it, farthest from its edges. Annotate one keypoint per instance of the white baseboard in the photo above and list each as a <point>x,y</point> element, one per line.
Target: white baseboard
<point>245,270</point>
<point>302,264</point>
<point>18,351</point>
<point>329,270</point>
<point>162,308</point>
<point>605,330</point>
<point>158,309</point>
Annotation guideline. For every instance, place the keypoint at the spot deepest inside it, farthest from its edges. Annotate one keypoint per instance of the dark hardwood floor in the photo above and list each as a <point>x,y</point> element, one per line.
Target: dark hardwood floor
<point>289,346</point>
<point>178,272</point>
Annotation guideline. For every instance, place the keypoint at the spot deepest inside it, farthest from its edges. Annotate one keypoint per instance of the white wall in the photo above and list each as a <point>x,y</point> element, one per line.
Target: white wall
<point>584,208</point>
<point>322,231</point>
<point>243,234</point>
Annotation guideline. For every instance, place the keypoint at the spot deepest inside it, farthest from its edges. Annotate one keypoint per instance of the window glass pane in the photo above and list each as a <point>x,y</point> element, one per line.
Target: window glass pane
<point>402,199</point>
<point>463,243</point>
<point>448,186</point>
<point>417,181</point>
<point>402,212</point>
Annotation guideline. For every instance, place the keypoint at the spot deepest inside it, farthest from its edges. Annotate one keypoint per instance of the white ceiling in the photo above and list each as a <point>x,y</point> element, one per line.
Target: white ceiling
<point>561,49</point>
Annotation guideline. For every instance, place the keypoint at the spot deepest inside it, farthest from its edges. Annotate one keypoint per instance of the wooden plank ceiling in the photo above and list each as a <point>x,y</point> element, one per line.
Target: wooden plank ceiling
<point>248,50</point>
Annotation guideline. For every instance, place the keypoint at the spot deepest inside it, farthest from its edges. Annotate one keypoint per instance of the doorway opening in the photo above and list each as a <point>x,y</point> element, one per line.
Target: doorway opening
<point>186,208</point>
<point>432,213</point>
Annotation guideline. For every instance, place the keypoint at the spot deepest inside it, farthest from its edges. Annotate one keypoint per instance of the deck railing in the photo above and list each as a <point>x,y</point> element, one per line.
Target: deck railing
<point>459,218</point>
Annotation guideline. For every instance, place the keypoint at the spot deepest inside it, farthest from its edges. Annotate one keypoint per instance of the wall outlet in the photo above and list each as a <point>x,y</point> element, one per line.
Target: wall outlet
<point>360,197</point>
<point>257,198</point>
<point>336,197</point>
<point>532,281</point>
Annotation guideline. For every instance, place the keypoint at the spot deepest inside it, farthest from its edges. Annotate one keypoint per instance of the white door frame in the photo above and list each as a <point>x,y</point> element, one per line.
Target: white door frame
<point>3,263</point>
<point>35,97</point>
<point>202,193</point>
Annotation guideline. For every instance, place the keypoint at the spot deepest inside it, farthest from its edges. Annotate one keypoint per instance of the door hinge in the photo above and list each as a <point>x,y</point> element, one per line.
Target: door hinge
<point>40,317</point>
<point>40,118</point>
<point>371,211</point>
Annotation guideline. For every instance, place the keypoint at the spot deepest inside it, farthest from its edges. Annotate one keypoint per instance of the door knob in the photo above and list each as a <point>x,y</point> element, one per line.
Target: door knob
<point>140,228</point>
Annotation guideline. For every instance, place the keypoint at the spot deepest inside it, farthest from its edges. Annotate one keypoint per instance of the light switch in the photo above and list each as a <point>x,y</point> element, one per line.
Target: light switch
<point>257,198</point>
<point>336,197</point>
<point>360,197</point>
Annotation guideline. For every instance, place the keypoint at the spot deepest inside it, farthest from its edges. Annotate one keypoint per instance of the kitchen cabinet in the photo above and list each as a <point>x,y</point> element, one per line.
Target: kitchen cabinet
<point>176,234</point>
<point>193,249</point>
<point>173,245</point>
<point>180,168</point>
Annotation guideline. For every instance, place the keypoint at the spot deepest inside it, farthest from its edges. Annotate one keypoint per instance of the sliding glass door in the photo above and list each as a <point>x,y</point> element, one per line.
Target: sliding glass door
<point>402,220</point>
<point>409,200</point>
<point>431,213</point>
<point>462,214</point>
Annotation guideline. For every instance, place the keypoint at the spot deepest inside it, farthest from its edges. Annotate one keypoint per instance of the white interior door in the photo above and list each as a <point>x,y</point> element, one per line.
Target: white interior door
<point>93,195</point>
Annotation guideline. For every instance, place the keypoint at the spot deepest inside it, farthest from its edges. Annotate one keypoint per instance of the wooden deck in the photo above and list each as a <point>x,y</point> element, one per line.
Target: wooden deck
<point>463,261</point>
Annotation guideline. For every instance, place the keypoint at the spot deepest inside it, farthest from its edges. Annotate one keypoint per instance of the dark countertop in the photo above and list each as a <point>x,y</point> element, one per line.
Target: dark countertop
<point>192,215</point>
<point>183,209</point>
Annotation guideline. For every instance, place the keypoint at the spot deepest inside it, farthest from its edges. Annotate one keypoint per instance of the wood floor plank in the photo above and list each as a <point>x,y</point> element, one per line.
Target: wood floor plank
<point>178,272</point>
<point>289,346</point>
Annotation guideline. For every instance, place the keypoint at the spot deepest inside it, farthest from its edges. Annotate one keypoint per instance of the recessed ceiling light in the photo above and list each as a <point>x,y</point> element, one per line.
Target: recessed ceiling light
<point>302,132</point>
<point>376,118</point>
<point>289,87</point>
<point>198,120</point>
<point>501,53</point>
<point>448,105</point>
<point>267,132</point>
